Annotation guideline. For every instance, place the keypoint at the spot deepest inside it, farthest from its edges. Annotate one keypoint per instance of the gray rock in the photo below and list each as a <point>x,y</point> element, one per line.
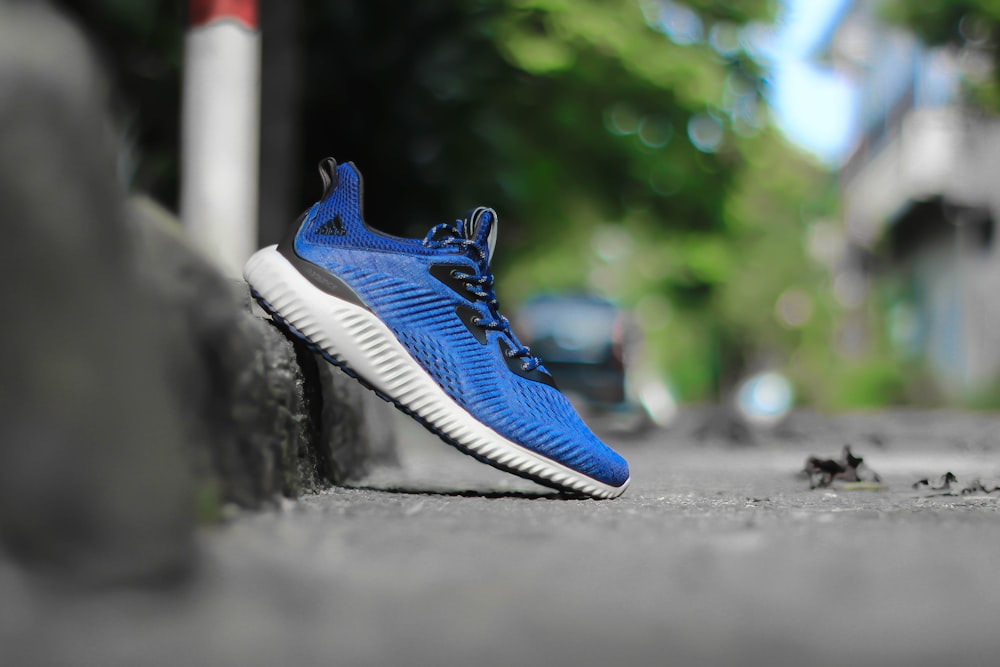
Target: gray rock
<point>355,426</point>
<point>273,418</point>
<point>380,420</point>
<point>140,390</point>
<point>238,376</point>
<point>93,479</point>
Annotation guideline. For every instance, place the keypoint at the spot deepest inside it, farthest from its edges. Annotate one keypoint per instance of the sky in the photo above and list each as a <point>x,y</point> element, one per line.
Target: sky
<point>813,105</point>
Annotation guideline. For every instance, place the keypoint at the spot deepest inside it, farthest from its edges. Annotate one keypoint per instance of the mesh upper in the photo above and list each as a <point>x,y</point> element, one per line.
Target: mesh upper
<point>391,275</point>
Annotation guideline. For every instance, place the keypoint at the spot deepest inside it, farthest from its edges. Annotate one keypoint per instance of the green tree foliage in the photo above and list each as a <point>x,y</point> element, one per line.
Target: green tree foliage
<point>700,239</point>
<point>624,142</point>
<point>510,102</point>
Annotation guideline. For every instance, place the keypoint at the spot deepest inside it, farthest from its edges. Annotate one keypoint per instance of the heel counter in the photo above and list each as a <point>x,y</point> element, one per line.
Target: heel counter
<point>327,168</point>
<point>287,244</point>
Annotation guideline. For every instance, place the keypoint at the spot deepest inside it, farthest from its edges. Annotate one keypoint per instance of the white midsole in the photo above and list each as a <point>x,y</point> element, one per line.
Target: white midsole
<point>356,337</point>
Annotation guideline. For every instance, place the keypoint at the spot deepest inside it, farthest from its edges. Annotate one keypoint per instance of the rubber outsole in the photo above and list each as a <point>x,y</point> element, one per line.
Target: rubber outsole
<point>362,346</point>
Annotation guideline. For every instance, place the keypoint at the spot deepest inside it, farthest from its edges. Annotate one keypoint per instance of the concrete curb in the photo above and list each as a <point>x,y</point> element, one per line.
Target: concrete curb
<point>273,418</point>
<point>141,393</point>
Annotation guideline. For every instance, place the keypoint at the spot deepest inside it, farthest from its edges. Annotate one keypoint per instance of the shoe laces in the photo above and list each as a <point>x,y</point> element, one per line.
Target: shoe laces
<point>480,285</point>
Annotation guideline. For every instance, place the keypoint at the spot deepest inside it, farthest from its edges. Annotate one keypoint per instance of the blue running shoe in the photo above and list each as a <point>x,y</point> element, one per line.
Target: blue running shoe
<point>417,321</point>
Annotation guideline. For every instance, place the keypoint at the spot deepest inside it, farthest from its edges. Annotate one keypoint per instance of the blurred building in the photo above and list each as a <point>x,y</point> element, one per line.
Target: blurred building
<point>920,194</point>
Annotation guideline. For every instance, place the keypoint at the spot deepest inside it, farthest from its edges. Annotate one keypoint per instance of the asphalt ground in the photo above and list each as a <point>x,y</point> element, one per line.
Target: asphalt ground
<point>718,554</point>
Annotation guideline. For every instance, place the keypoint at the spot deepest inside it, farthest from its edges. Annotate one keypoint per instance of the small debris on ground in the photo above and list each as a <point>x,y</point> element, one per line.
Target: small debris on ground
<point>944,486</point>
<point>849,468</point>
<point>976,487</point>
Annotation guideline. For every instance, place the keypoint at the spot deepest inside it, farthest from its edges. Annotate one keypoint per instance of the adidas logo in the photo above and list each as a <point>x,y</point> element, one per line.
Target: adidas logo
<point>332,227</point>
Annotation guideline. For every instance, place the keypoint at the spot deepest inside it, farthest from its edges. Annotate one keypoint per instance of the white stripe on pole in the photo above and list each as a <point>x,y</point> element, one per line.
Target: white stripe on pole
<point>220,131</point>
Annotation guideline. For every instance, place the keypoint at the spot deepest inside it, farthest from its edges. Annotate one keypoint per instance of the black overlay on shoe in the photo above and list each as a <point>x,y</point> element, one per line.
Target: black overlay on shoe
<point>516,366</point>
<point>470,318</point>
<point>446,274</point>
<point>318,276</point>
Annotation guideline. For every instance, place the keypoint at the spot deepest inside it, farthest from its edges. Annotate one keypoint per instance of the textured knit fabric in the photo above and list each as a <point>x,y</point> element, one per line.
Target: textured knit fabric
<point>392,276</point>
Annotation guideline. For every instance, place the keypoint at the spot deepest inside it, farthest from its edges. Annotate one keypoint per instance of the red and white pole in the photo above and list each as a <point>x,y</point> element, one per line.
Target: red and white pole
<point>220,129</point>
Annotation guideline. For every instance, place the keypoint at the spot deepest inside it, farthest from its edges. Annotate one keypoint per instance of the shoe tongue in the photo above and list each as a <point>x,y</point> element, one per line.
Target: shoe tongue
<point>480,225</point>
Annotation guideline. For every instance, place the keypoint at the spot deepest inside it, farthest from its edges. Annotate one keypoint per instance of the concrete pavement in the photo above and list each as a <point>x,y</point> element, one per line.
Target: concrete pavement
<point>717,555</point>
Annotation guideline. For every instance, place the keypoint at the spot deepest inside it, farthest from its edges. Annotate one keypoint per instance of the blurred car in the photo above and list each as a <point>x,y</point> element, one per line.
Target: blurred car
<point>593,348</point>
